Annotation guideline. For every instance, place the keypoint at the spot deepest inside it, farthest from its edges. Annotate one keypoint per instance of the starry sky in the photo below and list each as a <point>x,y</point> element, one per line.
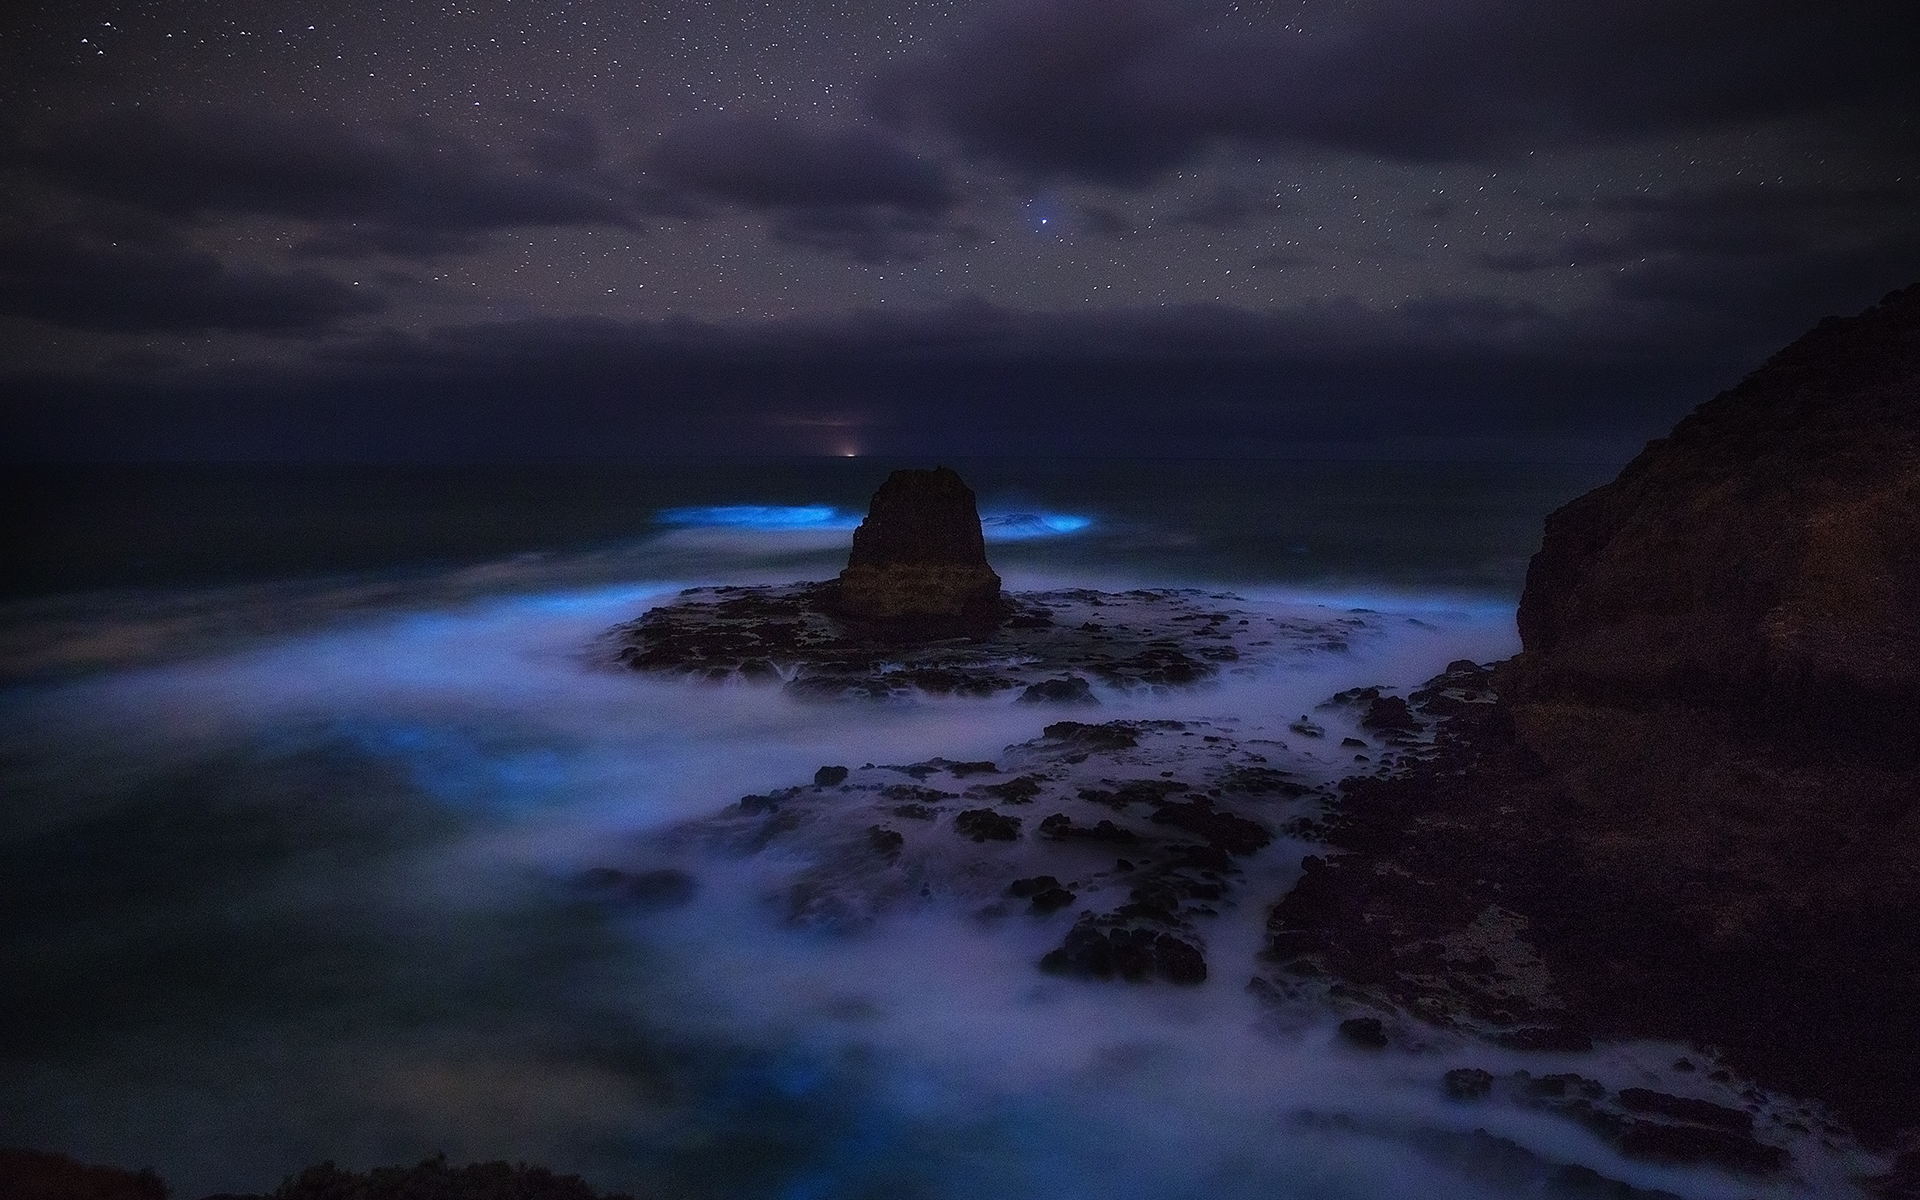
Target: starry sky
<point>536,229</point>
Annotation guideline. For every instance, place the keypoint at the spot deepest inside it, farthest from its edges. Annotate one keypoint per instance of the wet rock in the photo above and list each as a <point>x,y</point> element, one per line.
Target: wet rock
<point>1131,954</point>
<point>1235,835</point>
<point>1114,735</point>
<point>1133,791</point>
<point>1566,1083</point>
<point>1070,690</point>
<point>911,791</point>
<point>984,824</point>
<point>1261,781</point>
<point>1364,1031</point>
<point>1389,715</point>
<point>829,776</point>
<point>1178,961</point>
<point>1687,1145</point>
<point>1018,790</point>
<point>1686,1108</point>
<point>1024,889</point>
<point>885,842</point>
<point>1467,1083</point>
<point>1059,827</point>
<point>920,554</point>
<point>1156,639</point>
<point>1052,900</point>
<point>1545,1038</point>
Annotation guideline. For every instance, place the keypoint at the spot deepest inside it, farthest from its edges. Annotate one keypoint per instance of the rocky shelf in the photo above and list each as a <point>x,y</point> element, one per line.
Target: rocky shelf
<point>1050,646</point>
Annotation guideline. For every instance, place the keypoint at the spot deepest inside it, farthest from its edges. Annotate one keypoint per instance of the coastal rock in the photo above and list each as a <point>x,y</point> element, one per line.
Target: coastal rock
<point>1048,648</point>
<point>1690,809</point>
<point>1760,560</point>
<point>920,555</point>
<point>840,855</point>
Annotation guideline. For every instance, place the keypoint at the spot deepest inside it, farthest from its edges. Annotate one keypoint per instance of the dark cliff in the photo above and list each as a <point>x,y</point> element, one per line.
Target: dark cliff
<point>1764,559</point>
<point>1699,786</point>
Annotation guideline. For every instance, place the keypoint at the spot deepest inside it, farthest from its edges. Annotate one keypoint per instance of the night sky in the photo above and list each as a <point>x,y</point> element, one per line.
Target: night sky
<point>550,230</point>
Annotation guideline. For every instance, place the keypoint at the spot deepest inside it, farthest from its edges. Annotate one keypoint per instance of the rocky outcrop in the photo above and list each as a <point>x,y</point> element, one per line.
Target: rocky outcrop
<point>1693,809</point>
<point>919,555</point>
<point>794,636</point>
<point>1764,559</point>
<point>38,1175</point>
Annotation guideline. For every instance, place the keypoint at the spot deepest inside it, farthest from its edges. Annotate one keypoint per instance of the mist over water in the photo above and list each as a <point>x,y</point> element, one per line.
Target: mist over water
<point>289,871</point>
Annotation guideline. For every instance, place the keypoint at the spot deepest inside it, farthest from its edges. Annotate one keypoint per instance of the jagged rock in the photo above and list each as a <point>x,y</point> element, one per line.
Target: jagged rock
<point>1761,558</point>
<point>1691,807</point>
<point>1151,638</point>
<point>984,824</point>
<point>1364,1031</point>
<point>1071,690</point>
<point>919,554</point>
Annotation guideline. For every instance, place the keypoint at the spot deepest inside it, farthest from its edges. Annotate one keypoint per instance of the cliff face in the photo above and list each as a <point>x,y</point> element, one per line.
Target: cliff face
<point>1699,786</point>
<point>1764,559</point>
<point>1721,680</point>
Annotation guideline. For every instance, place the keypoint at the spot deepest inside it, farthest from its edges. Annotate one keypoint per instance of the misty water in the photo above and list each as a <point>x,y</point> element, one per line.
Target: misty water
<point>302,770</point>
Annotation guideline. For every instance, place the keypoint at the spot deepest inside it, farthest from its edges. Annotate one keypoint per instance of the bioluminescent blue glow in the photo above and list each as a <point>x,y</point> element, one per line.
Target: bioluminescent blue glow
<point>760,516</point>
<point>1024,526</point>
<point>996,526</point>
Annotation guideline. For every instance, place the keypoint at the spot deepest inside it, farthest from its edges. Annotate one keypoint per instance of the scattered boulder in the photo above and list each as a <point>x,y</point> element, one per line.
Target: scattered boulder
<point>1070,690</point>
<point>986,825</point>
<point>1467,1083</point>
<point>1367,1032</point>
<point>1131,954</point>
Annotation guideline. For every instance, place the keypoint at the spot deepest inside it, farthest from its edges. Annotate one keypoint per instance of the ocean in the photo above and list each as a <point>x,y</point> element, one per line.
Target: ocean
<point>303,766</point>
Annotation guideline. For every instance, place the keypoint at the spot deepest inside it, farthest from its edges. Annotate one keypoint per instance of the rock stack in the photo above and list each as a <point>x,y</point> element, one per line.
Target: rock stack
<point>919,557</point>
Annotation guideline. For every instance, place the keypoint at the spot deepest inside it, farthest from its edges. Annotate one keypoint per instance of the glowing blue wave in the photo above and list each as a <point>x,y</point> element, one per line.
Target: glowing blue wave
<point>760,516</point>
<point>1019,527</point>
<point>997,526</point>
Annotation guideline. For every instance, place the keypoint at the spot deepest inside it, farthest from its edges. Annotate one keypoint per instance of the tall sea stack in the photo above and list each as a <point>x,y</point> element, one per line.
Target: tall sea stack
<point>919,556</point>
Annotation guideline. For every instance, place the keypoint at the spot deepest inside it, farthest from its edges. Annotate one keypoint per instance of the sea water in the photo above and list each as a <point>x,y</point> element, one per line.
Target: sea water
<point>302,768</point>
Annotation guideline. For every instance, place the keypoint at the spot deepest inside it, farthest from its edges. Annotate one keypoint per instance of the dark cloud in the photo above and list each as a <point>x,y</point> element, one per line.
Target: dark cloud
<point>1122,91</point>
<point>867,234</point>
<point>565,142</point>
<point>402,190</point>
<point>852,191</point>
<point>966,378</point>
<point>1225,207</point>
<point>82,280</point>
<point>772,164</point>
<point>1756,256</point>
